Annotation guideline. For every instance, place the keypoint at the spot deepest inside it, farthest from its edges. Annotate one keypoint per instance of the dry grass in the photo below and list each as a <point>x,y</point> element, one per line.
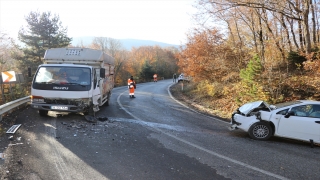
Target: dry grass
<point>200,102</point>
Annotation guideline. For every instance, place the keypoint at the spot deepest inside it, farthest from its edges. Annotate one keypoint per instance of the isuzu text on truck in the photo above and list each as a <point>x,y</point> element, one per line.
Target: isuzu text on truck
<point>73,80</point>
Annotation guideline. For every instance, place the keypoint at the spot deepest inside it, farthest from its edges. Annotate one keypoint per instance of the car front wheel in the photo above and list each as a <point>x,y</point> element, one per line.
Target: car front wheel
<point>260,131</point>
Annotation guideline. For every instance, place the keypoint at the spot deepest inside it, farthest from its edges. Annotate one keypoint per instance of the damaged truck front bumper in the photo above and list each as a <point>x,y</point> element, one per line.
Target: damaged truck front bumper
<point>61,105</point>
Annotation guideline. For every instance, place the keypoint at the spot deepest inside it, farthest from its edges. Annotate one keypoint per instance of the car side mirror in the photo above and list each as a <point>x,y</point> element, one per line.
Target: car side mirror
<point>290,113</point>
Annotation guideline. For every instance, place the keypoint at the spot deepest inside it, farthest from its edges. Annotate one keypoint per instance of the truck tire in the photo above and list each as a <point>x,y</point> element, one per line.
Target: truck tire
<point>107,102</point>
<point>91,111</point>
<point>43,112</point>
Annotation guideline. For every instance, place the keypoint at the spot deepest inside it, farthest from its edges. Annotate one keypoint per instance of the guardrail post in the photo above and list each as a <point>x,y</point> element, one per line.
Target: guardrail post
<point>2,91</point>
<point>11,93</point>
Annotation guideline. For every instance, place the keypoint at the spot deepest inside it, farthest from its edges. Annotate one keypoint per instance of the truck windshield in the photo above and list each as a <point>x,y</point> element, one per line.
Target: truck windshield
<point>63,75</point>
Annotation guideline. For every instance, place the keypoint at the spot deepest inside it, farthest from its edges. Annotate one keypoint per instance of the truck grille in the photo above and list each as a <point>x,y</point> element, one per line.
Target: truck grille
<point>62,102</point>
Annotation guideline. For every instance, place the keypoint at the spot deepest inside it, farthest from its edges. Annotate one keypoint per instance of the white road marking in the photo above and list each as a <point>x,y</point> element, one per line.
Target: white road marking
<point>199,147</point>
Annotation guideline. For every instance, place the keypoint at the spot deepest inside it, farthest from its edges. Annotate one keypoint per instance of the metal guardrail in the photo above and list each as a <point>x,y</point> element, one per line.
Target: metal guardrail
<point>13,104</point>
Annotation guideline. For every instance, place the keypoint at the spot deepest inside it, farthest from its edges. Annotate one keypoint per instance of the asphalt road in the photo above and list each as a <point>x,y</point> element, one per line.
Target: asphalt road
<point>151,136</point>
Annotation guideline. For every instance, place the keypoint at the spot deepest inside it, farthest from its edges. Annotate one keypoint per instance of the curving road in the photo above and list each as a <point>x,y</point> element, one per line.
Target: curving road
<point>151,136</point>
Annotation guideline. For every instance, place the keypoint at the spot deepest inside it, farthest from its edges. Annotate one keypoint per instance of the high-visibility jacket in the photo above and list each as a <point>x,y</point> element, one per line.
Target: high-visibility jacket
<point>131,84</point>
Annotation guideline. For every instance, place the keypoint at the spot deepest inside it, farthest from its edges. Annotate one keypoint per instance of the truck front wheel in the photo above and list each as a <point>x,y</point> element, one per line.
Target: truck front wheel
<point>89,111</point>
<point>89,114</point>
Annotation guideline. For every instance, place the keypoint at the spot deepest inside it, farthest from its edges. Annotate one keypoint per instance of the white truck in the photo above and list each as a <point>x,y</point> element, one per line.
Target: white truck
<point>73,80</point>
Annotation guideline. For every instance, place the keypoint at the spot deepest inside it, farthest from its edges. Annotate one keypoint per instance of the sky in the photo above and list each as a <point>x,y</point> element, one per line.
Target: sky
<point>165,21</point>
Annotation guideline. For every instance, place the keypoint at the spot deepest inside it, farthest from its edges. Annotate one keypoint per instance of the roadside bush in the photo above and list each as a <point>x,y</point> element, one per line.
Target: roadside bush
<point>210,89</point>
<point>250,87</point>
<point>295,59</point>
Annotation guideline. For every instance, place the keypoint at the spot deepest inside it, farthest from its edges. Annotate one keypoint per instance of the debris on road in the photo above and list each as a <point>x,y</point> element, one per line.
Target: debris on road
<point>103,118</point>
<point>15,144</point>
<point>10,138</point>
<point>13,129</point>
<point>90,118</point>
<point>2,156</point>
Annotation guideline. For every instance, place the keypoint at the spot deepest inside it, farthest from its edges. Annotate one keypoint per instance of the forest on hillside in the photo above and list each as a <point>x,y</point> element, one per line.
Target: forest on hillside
<point>248,50</point>
<point>240,51</point>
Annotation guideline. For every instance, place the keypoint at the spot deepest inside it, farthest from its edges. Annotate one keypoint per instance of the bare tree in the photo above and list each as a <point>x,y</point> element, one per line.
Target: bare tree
<point>101,43</point>
<point>314,37</point>
<point>114,48</point>
<point>297,10</point>
<point>7,47</point>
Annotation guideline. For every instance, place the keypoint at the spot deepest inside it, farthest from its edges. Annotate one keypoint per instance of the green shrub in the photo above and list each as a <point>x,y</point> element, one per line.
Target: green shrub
<point>295,59</point>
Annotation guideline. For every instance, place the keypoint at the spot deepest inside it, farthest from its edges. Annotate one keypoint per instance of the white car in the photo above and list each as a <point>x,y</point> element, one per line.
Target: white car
<point>182,77</point>
<point>295,119</point>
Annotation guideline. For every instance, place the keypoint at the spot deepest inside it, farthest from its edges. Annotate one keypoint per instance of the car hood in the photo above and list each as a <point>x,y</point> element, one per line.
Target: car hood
<point>248,107</point>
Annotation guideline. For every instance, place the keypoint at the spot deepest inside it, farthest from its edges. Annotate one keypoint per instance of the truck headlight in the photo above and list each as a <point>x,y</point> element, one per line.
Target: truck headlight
<point>37,99</point>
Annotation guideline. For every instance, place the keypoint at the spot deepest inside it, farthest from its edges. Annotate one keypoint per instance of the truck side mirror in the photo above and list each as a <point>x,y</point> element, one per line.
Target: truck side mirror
<point>29,71</point>
<point>102,72</point>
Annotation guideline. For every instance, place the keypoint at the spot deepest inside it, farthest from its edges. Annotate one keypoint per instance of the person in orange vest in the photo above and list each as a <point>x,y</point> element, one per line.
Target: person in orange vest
<point>155,76</point>
<point>132,86</point>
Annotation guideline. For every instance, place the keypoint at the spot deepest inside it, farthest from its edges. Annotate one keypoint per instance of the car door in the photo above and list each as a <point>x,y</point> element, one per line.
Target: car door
<point>300,126</point>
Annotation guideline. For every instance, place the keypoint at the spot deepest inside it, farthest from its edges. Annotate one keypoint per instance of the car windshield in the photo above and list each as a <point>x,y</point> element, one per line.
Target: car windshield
<point>280,105</point>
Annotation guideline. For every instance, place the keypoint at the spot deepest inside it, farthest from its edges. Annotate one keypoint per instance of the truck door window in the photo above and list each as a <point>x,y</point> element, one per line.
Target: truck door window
<point>95,78</point>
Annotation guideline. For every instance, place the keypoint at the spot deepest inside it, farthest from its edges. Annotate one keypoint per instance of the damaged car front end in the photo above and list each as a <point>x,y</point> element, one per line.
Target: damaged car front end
<point>298,119</point>
<point>253,118</point>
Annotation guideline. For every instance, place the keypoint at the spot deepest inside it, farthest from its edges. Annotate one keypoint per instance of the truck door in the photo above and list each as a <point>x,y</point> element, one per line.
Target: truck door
<point>96,90</point>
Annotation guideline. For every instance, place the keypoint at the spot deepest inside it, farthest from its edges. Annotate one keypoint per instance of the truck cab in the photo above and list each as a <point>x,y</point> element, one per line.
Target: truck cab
<point>73,80</point>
